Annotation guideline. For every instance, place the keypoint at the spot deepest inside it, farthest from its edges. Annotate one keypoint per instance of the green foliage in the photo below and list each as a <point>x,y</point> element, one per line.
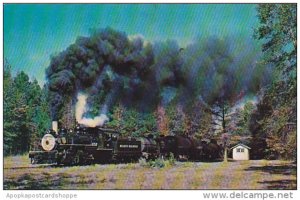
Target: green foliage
<point>158,162</point>
<point>9,134</point>
<point>130,122</point>
<point>171,159</point>
<point>220,112</point>
<point>243,117</point>
<point>281,136</point>
<point>117,117</point>
<point>277,108</point>
<point>277,30</point>
<point>199,120</point>
<point>26,112</point>
<point>176,119</point>
<point>143,162</point>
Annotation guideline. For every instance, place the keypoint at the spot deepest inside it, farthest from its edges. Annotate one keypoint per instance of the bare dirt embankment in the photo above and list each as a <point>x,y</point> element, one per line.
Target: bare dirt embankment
<point>256,174</point>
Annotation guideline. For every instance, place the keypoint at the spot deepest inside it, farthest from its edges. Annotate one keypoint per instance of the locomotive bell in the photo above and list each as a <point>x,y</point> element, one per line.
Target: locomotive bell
<point>48,142</point>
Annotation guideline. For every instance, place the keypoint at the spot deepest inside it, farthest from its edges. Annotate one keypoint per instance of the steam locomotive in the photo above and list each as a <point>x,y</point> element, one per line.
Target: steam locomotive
<point>86,145</point>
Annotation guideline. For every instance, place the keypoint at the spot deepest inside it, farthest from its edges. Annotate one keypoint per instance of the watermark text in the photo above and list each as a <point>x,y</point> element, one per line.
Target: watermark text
<point>50,195</point>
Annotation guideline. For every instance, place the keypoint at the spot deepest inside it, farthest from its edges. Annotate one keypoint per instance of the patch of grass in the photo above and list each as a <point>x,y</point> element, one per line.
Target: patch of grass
<point>101,181</point>
<point>143,162</point>
<point>259,174</point>
<point>237,177</point>
<point>198,179</point>
<point>139,178</point>
<point>20,161</point>
<point>159,178</point>
<point>188,164</point>
<point>219,175</point>
<point>178,179</point>
<point>121,178</point>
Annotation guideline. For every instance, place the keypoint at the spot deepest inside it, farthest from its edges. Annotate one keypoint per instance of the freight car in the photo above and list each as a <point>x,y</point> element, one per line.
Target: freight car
<point>186,148</point>
<point>86,145</point>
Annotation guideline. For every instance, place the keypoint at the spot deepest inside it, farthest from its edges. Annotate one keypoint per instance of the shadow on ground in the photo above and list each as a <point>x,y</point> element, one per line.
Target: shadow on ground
<point>286,170</point>
<point>45,181</point>
<point>281,184</point>
<point>28,182</point>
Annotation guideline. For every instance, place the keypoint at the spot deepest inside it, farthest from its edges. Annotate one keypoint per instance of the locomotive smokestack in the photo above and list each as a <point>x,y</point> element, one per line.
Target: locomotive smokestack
<point>55,126</point>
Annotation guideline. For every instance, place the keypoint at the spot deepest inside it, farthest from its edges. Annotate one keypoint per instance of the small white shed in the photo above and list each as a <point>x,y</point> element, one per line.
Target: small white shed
<point>240,152</point>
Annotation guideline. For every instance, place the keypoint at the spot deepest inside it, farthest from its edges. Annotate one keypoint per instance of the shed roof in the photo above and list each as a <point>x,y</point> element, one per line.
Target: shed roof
<point>240,144</point>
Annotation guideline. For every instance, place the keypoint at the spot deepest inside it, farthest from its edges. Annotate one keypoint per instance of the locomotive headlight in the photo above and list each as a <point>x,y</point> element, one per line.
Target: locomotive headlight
<point>48,142</point>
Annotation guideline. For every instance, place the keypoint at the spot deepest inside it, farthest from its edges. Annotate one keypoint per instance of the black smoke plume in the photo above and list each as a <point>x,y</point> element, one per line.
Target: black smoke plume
<point>91,65</point>
<point>110,67</point>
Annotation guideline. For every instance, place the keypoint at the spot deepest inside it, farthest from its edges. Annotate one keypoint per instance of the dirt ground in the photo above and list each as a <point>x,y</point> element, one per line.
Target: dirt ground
<point>254,174</point>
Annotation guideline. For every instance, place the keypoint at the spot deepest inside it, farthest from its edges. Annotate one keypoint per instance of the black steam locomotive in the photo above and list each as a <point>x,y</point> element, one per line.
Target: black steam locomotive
<point>85,145</point>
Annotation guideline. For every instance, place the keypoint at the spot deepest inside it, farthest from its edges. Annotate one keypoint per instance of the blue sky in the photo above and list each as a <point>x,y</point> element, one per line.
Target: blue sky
<point>34,32</point>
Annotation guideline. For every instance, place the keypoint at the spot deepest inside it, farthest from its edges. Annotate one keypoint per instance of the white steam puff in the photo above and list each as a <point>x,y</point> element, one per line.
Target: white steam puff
<point>81,108</point>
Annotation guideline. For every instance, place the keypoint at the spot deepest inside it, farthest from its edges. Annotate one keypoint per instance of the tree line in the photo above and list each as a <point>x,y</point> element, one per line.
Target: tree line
<point>26,114</point>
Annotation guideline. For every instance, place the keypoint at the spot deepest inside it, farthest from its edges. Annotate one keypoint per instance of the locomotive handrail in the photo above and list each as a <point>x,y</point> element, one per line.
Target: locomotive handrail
<point>78,145</point>
<point>32,152</point>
